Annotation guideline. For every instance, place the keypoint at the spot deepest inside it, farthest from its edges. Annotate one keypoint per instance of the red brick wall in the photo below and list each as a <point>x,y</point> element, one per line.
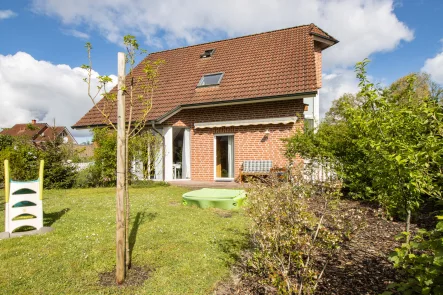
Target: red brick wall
<point>249,141</point>
<point>318,63</point>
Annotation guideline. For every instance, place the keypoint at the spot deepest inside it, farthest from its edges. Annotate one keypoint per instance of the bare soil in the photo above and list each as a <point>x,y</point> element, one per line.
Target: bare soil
<point>135,276</point>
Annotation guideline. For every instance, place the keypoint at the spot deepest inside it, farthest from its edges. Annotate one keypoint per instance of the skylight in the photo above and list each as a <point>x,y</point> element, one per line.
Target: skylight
<point>210,80</point>
<point>207,53</point>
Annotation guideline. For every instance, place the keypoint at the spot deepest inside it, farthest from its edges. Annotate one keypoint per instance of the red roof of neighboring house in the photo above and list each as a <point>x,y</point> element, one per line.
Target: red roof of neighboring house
<point>37,132</point>
<point>29,130</point>
<point>268,64</point>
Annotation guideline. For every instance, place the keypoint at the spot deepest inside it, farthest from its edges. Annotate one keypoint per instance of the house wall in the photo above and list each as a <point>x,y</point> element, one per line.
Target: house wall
<point>249,141</point>
<point>318,63</point>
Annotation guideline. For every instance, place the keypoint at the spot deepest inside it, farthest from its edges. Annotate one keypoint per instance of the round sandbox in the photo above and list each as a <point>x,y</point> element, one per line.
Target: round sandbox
<point>215,198</point>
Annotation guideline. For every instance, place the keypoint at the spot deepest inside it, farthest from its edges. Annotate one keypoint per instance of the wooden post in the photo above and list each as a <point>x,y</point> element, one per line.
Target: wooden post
<point>7,181</point>
<point>121,171</point>
<point>40,178</point>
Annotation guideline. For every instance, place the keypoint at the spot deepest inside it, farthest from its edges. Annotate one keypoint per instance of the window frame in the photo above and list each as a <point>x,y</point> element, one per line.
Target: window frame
<point>212,74</point>
<point>210,52</point>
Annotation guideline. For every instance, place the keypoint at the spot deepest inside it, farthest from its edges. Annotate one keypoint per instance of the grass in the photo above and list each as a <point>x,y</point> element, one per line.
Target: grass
<point>188,249</point>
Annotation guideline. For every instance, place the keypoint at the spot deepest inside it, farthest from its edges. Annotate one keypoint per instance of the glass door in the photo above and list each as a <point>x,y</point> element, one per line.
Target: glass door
<point>224,156</point>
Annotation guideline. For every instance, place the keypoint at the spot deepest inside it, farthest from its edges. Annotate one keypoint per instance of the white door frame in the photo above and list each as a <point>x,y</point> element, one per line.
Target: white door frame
<point>231,158</point>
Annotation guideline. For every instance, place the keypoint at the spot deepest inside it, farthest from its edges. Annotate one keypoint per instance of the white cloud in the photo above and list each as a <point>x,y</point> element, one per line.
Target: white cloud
<point>362,26</point>
<point>33,89</point>
<point>4,14</point>
<point>434,67</point>
<point>336,84</point>
<point>76,34</point>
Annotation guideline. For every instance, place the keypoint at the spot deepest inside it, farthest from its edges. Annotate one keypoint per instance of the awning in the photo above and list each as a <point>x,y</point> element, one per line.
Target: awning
<point>267,121</point>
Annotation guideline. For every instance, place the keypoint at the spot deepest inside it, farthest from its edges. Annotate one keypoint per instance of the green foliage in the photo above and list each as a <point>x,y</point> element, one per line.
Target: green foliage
<point>386,144</point>
<point>103,172</point>
<point>24,158</point>
<point>59,173</point>
<point>85,178</point>
<point>145,148</point>
<point>31,126</point>
<point>421,260</point>
<point>5,141</point>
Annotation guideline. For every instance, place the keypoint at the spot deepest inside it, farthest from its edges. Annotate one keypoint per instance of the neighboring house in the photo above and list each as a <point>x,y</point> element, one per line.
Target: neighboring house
<point>221,103</point>
<point>85,151</point>
<point>39,132</point>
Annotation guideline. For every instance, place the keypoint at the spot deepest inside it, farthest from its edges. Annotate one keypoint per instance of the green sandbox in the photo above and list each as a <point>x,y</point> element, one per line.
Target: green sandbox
<point>215,198</point>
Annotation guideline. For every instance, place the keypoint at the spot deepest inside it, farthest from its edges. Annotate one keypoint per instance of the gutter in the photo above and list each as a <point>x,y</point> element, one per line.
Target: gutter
<point>163,149</point>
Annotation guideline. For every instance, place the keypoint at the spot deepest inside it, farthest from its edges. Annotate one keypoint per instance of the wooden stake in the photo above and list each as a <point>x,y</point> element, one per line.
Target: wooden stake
<point>7,181</point>
<point>121,167</point>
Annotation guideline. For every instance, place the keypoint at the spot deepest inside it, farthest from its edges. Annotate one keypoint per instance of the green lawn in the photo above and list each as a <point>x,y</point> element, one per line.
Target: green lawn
<point>188,249</point>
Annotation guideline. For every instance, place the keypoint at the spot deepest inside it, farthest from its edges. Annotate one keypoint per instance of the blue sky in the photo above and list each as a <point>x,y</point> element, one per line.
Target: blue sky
<point>398,36</point>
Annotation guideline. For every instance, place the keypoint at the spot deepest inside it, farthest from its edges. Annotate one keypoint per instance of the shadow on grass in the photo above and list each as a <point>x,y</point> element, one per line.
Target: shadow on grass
<point>50,218</point>
<point>233,247</point>
<point>140,218</point>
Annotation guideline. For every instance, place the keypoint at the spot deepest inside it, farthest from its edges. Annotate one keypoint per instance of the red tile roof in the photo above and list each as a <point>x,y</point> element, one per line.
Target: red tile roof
<point>29,131</point>
<point>262,65</point>
<point>37,132</point>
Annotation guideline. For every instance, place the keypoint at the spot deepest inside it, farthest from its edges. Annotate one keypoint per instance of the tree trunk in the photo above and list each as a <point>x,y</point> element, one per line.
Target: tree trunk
<point>408,225</point>
<point>120,195</point>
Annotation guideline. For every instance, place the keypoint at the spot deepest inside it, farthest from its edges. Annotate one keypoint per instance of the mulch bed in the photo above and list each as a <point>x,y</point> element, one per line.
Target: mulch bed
<point>360,267</point>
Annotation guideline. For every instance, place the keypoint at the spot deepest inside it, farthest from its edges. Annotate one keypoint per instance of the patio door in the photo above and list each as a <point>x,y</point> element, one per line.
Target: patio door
<point>224,157</point>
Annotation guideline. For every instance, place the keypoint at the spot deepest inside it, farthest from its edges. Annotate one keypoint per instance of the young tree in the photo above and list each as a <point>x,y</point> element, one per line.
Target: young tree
<point>139,90</point>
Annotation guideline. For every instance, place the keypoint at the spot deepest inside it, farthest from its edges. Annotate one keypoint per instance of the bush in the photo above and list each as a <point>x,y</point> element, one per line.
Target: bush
<point>421,261</point>
<point>384,143</point>
<point>59,173</point>
<point>104,170</point>
<point>295,231</point>
<point>85,178</point>
<point>24,160</point>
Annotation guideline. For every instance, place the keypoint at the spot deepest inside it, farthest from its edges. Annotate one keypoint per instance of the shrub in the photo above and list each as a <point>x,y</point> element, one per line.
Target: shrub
<point>104,169</point>
<point>23,159</point>
<point>421,261</point>
<point>85,178</point>
<point>59,173</point>
<point>295,231</point>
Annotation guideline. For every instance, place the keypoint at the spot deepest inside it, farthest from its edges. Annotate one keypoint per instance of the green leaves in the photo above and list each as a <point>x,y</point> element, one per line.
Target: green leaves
<point>386,144</point>
<point>421,261</point>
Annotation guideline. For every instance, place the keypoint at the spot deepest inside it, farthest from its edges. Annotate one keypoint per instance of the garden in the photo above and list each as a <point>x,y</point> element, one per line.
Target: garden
<point>362,216</point>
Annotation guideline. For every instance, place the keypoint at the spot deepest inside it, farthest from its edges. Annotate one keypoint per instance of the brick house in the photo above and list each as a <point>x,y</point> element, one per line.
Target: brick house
<point>220,103</point>
<point>39,133</point>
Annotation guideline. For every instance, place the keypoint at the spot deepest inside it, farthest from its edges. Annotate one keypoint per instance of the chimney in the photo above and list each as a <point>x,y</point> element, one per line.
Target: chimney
<point>34,121</point>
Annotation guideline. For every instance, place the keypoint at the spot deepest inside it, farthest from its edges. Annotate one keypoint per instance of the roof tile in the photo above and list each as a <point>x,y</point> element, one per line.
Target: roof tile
<point>267,64</point>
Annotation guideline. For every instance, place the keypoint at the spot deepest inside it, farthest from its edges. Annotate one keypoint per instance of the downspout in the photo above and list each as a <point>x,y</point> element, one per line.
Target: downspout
<point>163,148</point>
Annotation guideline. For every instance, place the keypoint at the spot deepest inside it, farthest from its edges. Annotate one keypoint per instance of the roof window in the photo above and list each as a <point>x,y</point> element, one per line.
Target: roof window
<point>210,80</point>
<point>207,53</point>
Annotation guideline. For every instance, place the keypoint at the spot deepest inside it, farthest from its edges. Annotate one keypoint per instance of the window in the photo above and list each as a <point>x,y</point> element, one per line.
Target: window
<point>210,80</point>
<point>309,124</point>
<point>207,53</point>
